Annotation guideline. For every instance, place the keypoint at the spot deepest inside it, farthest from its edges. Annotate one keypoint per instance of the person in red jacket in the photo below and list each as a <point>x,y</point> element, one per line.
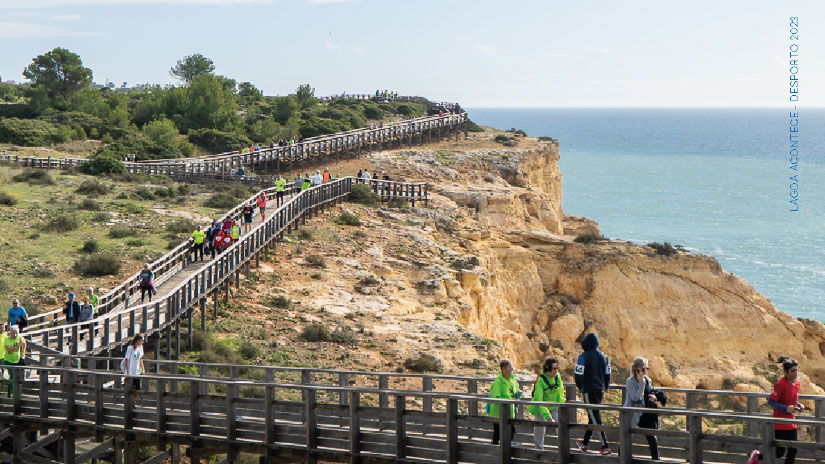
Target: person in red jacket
<point>785,402</point>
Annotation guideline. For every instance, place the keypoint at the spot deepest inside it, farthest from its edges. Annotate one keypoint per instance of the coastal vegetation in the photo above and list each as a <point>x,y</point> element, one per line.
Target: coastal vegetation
<point>207,113</point>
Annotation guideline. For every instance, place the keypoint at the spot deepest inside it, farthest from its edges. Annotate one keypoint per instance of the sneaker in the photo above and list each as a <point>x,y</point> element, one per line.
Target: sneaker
<point>582,446</point>
<point>605,451</point>
<point>755,457</point>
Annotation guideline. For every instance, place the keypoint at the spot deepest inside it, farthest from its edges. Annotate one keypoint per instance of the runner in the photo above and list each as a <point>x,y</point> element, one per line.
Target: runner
<point>280,184</point>
<point>248,213</point>
<point>262,199</point>
<point>785,402</point>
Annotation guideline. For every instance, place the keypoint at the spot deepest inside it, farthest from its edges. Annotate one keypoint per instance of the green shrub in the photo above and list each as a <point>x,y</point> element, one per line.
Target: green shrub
<point>7,200</point>
<point>97,264</point>
<point>518,132</point>
<point>362,194</point>
<point>99,165</point>
<point>546,139</point>
<point>304,234</point>
<point>281,301</point>
<point>62,223</point>
<point>135,242</point>
<point>663,249</point>
<point>501,138</point>
<point>27,132</point>
<point>315,333</point>
<point>89,205</point>
<point>92,188</point>
<point>86,122</point>
<point>397,202</point>
<point>221,200</point>
<point>34,177</point>
<point>473,127</point>
<point>588,237</point>
<point>424,363</point>
<point>348,219</point>
<point>165,192</point>
<point>144,193</point>
<point>122,232</point>
<point>248,350</point>
<point>90,246</point>
<point>182,226</point>
<point>369,282</point>
<point>217,141</point>
<point>317,261</point>
<point>461,264</point>
<point>102,217</point>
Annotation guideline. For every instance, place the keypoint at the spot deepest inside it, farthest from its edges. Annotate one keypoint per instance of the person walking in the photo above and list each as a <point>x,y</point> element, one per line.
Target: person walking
<point>261,200</point>
<point>14,353</point>
<point>785,402</point>
<point>16,312</point>
<point>85,314</point>
<point>248,214</point>
<point>505,387</point>
<point>71,309</point>
<point>548,388</point>
<point>198,237</point>
<point>327,175</point>
<point>235,232</point>
<point>639,393</point>
<point>317,179</point>
<point>307,182</point>
<point>147,283</point>
<point>133,361</point>
<point>592,379</point>
<point>210,235</point>
<point>280,184</point>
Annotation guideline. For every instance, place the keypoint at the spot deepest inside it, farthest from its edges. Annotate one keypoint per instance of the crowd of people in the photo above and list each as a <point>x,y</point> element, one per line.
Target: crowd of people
<point>592,377</point>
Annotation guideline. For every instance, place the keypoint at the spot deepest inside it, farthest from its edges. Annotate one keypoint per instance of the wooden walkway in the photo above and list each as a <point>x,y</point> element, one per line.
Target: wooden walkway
<point>299,422</point>
<point>184,286</point>
<point>310,151</point>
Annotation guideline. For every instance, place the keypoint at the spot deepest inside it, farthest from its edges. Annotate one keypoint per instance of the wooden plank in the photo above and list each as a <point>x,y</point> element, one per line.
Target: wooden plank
<point>96,451</point>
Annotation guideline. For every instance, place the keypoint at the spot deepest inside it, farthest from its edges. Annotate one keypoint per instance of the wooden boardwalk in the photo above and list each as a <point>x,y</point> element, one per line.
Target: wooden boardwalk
<point>283,422</point>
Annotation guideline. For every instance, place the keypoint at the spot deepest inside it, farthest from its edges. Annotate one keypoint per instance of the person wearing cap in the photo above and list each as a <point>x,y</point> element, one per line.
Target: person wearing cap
<point>16,312</point>
<point>71,309</point>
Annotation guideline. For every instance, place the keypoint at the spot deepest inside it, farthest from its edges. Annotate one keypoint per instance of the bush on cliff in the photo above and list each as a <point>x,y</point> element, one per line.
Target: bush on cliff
<point>663,249</point>
<point>27,132</point>
<point>217,141</point>
<point>361,193</point>
<point>588,238</point>
<point>103,164</point>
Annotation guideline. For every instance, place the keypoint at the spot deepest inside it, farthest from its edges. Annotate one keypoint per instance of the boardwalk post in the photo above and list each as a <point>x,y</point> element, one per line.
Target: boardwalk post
<point>234,454</point>
<point>269,422</point>
<point>819,411</point>
<point>452,431</point>
<point>625,437</point>
<point>695,440</point>
<point>99,419</point>
<point>343,381</point>
<point>427,386</point>
<point>768,448</point>
<point>194,418</point>
<point>354,427</point>
<point>311,426</point>
<point>753,409</point>
<point>160,400</point>
<point>564,433</point>
<point>203,314</point>
<point>505,445</point>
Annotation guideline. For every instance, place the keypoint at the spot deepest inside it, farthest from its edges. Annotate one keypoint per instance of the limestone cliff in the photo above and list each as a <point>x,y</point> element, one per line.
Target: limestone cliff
<point>493,256</point>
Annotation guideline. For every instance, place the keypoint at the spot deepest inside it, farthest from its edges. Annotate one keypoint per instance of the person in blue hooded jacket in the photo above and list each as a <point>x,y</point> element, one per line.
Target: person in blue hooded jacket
<point>592,379</point>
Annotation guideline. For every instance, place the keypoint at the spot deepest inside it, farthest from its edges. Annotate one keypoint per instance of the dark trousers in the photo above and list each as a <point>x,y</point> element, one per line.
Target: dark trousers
<point>211,249</point>
<point>11,376</point>
<point>786,435</point>
<point>279,198</point>
<point>144,291</point>
<point>497,433</point>
<point>594,416</point>
<point>653,444</point>
<point>197,248</point>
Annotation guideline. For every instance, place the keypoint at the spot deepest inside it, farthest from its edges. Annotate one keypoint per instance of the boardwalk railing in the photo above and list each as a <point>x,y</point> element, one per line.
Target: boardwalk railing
<point>121,321</point>
<point>310,150</point>
<point>310,422</point>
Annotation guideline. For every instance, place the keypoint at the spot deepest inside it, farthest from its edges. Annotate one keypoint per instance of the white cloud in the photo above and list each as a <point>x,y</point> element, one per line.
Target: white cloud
<point>331,46</point>
<point>487,50</point>
<point>35,31</point>
<point>38,4</point>
<point>599,51</point>
<point>66,17</point>
<point>357,49</point>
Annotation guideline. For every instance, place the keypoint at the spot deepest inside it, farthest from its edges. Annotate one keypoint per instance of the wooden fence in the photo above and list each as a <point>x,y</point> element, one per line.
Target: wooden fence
<point>119,320</point>
<point>335,423</point>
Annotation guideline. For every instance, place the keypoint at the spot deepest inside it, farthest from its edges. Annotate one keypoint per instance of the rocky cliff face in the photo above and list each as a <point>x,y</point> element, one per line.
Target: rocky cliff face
<point>538,292</point>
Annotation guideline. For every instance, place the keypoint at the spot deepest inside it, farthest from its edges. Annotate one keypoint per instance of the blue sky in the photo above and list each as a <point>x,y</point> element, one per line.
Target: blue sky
<point>542,53</point>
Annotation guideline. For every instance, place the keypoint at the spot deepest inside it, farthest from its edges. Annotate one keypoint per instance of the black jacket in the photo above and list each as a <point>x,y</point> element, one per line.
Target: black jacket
<point>592,367</point>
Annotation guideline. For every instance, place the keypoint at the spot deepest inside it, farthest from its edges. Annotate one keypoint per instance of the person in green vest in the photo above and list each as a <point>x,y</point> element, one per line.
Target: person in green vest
<point>280,184</point>
<point>198,236</point>
<point>307,182</point>
<point>94,300</point>
<point>548,388</point>
<point>505,387</point>
<point>15,352</point>
<point>235,232</point>
<point>4,328</point>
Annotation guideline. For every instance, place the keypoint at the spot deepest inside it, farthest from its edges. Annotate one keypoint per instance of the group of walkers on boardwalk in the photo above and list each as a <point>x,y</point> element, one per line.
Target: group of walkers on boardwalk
<point>592,376</point>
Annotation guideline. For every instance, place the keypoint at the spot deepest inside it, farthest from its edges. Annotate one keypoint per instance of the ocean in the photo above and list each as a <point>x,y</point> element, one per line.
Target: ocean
<point>716,181</point>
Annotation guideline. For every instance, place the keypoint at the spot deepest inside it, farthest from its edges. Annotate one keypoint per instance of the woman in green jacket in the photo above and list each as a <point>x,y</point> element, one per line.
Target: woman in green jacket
<point>548,388</point>
<point>504,387</point>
